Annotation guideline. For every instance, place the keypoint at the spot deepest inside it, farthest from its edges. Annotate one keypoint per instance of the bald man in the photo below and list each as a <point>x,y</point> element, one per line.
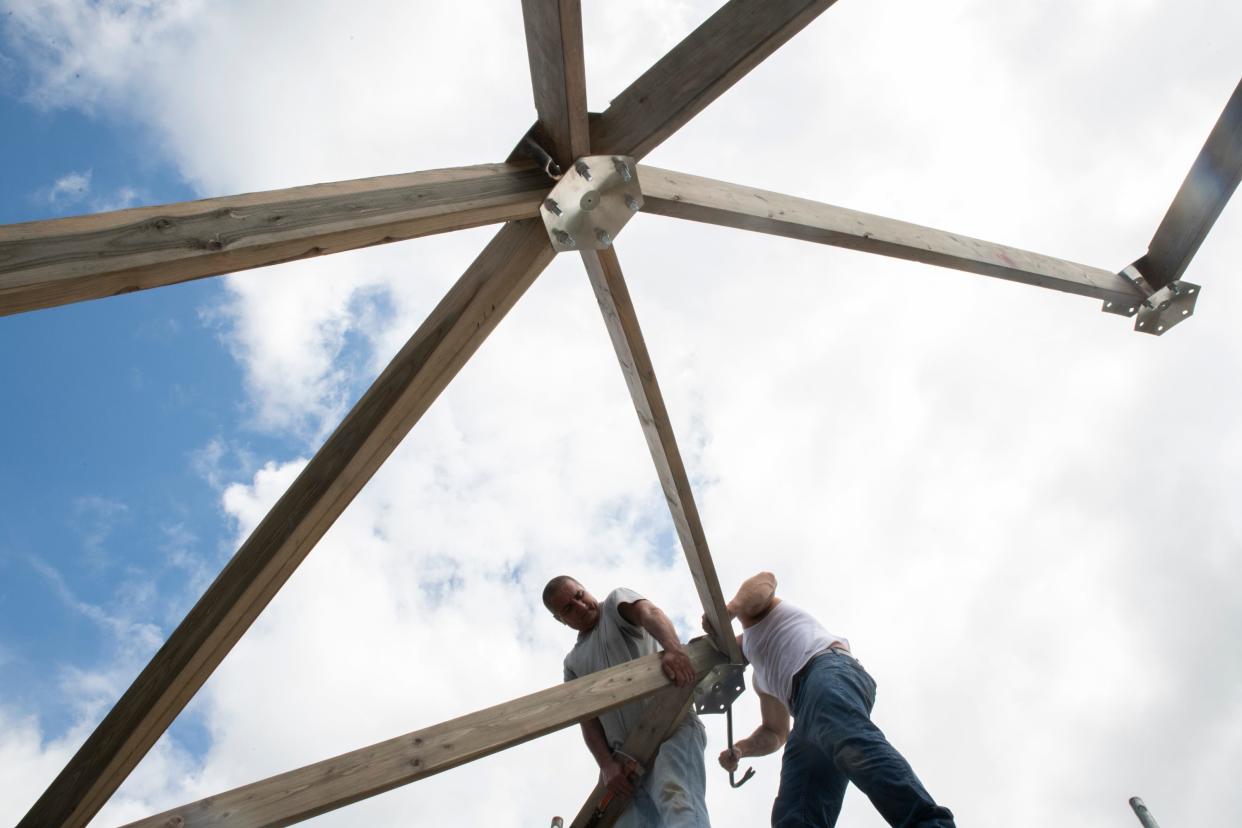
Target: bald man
<point>623,627</point>
<point>807,673</point>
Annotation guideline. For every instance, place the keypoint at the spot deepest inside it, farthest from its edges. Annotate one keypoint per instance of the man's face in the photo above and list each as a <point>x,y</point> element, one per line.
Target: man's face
<point>574,607</point>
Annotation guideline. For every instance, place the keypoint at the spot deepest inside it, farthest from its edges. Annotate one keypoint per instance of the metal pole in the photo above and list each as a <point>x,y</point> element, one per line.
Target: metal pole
<point>1144,815</point>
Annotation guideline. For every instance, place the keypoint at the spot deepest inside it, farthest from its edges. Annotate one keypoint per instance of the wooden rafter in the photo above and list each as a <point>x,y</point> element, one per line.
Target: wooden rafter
<point>321,787</point>
<point>1213,177</point>
<point>330,481</point>
<point>558,76</point>
<point>663,715</point>
<point>695,72</point>
<point>692,197</point>
<point>627,340</point>
<point>55,262</point>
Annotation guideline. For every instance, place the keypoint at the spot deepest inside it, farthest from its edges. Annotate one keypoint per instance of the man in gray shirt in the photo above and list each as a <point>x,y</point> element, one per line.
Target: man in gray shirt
<point>622,627</point>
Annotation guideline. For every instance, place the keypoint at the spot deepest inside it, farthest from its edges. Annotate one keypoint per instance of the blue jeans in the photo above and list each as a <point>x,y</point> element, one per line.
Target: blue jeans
<point>833,742</point>
<point>671,793</point>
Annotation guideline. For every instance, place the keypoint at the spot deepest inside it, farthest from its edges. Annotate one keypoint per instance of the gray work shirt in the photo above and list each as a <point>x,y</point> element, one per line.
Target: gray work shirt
<point>613,641</point>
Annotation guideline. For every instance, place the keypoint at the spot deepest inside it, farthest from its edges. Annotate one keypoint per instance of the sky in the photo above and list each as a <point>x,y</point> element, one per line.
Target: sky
<point>1021,513</point>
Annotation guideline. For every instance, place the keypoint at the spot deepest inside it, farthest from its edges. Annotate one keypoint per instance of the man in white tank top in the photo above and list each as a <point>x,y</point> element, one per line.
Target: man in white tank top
<point>805,672</point>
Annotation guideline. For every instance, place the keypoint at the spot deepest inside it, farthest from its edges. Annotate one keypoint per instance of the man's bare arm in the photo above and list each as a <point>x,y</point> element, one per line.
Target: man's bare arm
<point>610,769</point>
<point>674,660</point>
<point>754,598</point>
<point>769,737</point>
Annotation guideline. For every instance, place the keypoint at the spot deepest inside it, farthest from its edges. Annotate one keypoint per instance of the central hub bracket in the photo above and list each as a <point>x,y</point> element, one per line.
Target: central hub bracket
<point>592,202</point>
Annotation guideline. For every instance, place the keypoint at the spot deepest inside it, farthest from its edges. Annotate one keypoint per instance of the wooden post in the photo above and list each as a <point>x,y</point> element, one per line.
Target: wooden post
<point>693,197</point>
<point>48,263</point>
<point>664,715</point>
<point>315,789</point>
<point>558,76</point>
<point>716,55</point>
<point>1213,177</point>
<point>627,340</point>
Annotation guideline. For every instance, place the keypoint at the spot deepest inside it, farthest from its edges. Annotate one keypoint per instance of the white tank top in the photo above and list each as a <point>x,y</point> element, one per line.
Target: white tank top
<point>781,644</point>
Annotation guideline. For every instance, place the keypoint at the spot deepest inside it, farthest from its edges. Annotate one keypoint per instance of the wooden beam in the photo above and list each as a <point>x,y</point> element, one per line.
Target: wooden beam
<point>691,197</point>
<point>558,76</point>
<point>716,55</point>
<point>315,789</point>
<point>665,712</point>
<point>627,340</point>
<point>1199,201</point>
<point>55,262</point>
<point>337,472</point>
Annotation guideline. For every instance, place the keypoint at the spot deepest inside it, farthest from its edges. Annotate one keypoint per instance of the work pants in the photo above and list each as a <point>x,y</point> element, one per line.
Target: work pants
<point>834,742</point>
<point>671,793</point>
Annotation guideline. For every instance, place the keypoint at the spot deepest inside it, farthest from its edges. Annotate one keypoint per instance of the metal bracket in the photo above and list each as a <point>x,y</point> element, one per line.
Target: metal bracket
<point>1173,303</point>
<point>719,688</point>
<point>1159,310</point>
<point>592,202</point>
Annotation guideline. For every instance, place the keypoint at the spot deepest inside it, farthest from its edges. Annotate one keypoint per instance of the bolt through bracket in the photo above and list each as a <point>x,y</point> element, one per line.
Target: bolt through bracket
<point>592,202</point>
<point>719,688</point>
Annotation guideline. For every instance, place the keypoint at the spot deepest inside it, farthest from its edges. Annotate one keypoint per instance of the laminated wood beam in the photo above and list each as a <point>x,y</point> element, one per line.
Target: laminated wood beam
<point>664,713</point>
<point>59,261</point>
<point>558,76</point>
<point>627,340</point>
<point>692,197</point>
<point>699,69</point>
<point>333,477</point>
<point>314,789</point>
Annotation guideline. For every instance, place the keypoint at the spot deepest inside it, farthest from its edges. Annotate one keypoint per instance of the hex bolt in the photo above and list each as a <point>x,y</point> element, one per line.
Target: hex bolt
<point>564,238</point>
<point>553,207</point>
<point>583,170</point>
<point>631,202</point>
<point>623,169</point>
<point>604,238</point>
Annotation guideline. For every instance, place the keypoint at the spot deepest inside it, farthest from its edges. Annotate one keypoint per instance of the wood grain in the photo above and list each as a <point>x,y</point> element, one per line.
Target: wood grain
<point>665,712</point>
<point>330,481</point>
<point>621,320</point>
<point>55,262</point>
<point>695,198</point>
<point>321,787</point>
<point>558,76</point>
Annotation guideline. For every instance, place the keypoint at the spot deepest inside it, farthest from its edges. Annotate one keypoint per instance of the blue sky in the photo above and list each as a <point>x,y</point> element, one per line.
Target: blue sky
<point>106,405</point>
<point>945,466</point>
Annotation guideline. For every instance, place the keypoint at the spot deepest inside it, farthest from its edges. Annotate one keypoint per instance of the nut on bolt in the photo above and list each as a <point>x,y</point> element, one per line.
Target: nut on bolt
<point>553,207</point>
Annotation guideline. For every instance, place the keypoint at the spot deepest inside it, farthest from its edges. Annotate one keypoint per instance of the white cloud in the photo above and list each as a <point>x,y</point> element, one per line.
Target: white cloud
<point>1019,512</point>
<point>70,188</point>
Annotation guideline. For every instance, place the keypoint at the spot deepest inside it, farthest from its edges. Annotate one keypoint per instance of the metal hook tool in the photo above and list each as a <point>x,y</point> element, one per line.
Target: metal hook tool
<point>749,771</point>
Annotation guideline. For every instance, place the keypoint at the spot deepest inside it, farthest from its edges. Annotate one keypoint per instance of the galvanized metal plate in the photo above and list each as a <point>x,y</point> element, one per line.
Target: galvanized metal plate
<point>719,688</point>
<point>1172,304</point>
<point>1128,307</point>
<point>592,202</point>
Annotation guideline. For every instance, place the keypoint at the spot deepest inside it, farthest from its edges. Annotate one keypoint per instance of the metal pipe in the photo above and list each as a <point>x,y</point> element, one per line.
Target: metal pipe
<point>1144,815</point>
